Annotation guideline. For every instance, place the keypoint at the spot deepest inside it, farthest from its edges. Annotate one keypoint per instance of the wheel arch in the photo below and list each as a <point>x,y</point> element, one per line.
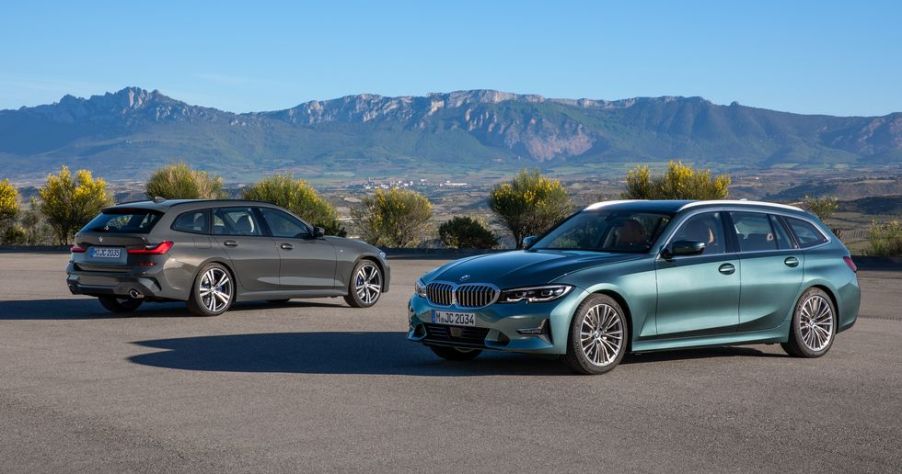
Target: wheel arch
<point>621,301</point>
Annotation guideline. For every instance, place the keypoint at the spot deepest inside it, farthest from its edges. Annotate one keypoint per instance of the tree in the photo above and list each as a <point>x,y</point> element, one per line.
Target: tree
<point>393,218</point>
<point>300,198</point>
<point>9,202</point>
<point>180,181</point>
<point>822,207</point>
<point>466,233</point>
<point>529,204</point>
<point>69,204</point>
<point>678,182</point>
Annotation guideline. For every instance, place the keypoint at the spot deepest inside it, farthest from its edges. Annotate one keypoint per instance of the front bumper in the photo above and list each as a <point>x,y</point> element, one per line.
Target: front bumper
<point>540,328</point>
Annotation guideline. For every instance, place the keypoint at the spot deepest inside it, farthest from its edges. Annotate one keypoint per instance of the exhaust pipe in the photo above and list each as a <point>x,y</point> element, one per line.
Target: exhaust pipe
<point>135,294</point>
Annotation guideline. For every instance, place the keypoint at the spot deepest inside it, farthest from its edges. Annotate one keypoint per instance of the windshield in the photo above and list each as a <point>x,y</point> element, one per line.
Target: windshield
<point>124,221</point>
<point>606,231</point>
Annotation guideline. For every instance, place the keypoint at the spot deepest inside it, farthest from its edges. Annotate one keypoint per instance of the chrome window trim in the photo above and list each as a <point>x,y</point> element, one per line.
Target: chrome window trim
<point>725,208</point>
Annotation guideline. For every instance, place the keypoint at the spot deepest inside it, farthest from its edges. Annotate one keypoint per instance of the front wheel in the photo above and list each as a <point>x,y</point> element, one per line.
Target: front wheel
<point>813,325</point>
<point>116,304</point>
<point>598,336</point>
<point>454,353</point>
<point>213,292</point>
<point>365,286</point>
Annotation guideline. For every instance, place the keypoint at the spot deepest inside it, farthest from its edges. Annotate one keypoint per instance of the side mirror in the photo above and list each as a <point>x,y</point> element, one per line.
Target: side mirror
<point>528,241</point>
<point>682,248</point>
<point>319,232</point>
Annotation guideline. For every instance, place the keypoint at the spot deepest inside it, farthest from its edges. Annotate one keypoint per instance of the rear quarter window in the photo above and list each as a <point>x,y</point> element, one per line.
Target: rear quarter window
<point>806,233</point>
<point>124,221</point>
<point>194,222</point>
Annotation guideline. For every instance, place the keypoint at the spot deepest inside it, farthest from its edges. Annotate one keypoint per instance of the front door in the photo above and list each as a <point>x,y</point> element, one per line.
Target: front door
<point>308,263</point>
<point>238,233</point>
<point>699,294</point>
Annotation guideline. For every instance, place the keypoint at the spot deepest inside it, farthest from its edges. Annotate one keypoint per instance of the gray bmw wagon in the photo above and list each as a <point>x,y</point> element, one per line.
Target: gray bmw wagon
<point>212,253</point>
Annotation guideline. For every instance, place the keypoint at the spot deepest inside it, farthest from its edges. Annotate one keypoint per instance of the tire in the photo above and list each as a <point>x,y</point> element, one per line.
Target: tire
<point>814,325</point>
<point>453,353</point>
<point>213,292</point>
<point>119,305</point>
<point>365,286</point>
<point>603,322</point>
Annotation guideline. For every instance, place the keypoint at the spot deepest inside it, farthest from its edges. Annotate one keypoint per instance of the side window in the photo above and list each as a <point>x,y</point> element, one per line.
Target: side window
<point>780,234</point>
<point>707,228</point>
<point>235,221</point>
<point>754,232</point>
<point>195,222</point>
<point>283,225</point>
<point>806,233</point>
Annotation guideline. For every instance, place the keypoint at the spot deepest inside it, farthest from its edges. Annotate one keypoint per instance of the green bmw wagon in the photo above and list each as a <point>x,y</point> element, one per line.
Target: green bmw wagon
<point>637,276</point>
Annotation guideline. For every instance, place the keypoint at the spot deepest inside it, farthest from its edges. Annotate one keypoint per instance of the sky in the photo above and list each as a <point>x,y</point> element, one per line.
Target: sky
<point>827,57</point>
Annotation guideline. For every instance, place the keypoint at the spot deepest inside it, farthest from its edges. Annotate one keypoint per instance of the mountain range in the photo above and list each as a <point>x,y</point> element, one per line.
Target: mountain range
<point>128,133</point>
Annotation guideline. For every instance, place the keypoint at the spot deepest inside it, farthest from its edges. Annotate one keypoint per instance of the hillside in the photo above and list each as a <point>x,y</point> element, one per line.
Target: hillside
<point>126,133</point>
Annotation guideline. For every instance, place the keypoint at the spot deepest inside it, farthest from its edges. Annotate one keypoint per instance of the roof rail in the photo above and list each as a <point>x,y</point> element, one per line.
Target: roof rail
<point>741,202</point>
<point>599,205</point>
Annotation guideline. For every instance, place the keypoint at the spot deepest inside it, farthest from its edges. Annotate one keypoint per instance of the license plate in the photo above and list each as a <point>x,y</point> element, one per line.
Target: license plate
<point>454,318</point>
<point>106,253</point>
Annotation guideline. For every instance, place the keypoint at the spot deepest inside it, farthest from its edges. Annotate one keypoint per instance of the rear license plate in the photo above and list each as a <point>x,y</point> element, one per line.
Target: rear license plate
<point>105,253</point>
<point>454,318</point>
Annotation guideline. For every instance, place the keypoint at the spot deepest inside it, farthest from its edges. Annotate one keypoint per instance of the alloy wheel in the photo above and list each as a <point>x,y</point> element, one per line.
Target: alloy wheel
<point>601,334</point>
<point>816,323</point>
<point>368,283</point>
<point>215,289</point>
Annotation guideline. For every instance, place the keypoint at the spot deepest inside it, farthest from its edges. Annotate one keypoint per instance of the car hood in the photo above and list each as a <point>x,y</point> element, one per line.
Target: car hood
<point>523,267</point>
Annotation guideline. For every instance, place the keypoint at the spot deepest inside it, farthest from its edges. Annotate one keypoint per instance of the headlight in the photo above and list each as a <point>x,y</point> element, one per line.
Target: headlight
<point>420,288</point>
<point>534,294</point>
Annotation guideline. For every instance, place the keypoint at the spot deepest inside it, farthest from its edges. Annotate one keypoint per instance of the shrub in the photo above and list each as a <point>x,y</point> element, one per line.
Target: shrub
<point>530,204</point>
<point>9,202</point>
<point>885,239</point>
<point>678,182</point>
<point>300,198</point>
<point>393,218</point>
<point>822,207</point>
<point>68,204</point>
<point>180,181</point>
<point>466,233</point>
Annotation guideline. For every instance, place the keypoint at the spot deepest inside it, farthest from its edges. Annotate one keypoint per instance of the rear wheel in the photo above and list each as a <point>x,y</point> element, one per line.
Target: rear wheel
<point>598,336</point>
<point>365,286</point>
<point>813,325</point>
<point>117,304</point>
<point>455,353</point>
<point>213,292</point>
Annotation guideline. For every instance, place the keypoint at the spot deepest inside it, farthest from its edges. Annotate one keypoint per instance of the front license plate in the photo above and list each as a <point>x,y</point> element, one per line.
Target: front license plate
<point>454,318</point>
<point>105,253</point>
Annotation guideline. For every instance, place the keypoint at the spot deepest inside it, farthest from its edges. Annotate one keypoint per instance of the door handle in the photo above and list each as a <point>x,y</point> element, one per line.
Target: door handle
<point>286,246</point>
<point>791,262</point>
<point>230,243</point>
<point>727,269</point>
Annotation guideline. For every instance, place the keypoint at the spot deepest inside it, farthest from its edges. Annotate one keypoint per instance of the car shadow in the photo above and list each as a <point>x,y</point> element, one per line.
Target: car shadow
<point>90,308</point>
<point>359,353</point>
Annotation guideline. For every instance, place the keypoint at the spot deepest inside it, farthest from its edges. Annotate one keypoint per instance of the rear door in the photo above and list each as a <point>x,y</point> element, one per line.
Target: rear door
<point>307,263</point>
<point>772,270</point>
<point>699,294</point>
<point>238,233</point>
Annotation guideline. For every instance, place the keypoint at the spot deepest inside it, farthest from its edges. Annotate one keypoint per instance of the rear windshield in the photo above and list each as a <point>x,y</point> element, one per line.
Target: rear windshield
<point>124,221</point>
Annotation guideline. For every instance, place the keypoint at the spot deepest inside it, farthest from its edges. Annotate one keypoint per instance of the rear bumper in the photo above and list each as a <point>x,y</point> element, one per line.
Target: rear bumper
<point>116,284</point>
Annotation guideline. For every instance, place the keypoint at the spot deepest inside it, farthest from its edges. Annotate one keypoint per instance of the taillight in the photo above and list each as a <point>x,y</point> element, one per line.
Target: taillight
<point>77,249</point>
<point>850,263</point>
<point>158,249</point>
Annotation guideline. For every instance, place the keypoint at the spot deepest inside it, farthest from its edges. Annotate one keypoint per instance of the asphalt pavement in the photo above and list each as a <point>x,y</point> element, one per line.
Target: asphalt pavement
<point>316,386</point>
